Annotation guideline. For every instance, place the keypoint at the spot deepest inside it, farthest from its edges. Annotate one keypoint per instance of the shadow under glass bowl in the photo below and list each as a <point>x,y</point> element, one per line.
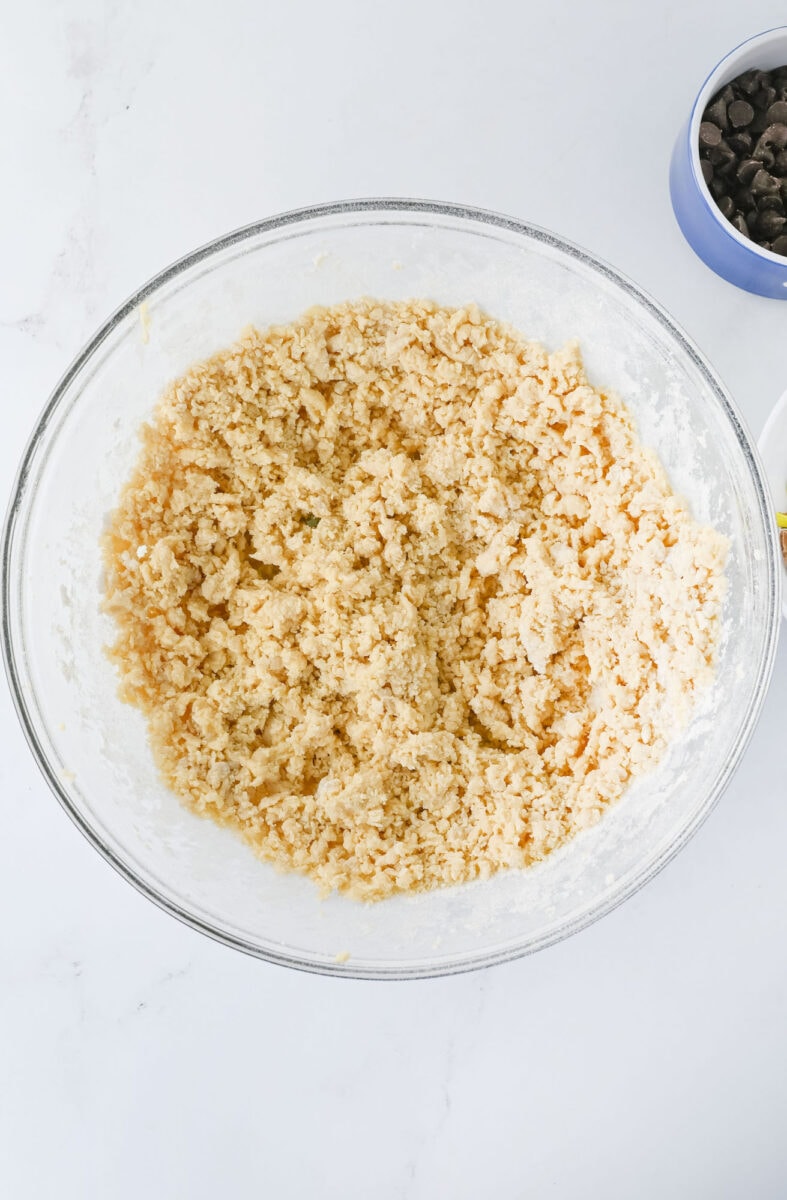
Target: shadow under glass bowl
<point>92,748</point>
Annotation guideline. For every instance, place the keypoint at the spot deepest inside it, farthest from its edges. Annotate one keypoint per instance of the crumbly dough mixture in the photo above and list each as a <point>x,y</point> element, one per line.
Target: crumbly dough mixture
<point>403,598</point>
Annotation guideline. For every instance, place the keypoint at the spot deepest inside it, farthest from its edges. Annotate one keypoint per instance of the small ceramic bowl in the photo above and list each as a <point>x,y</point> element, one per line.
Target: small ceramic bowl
<point>709,234</point>
<point>773,450</point>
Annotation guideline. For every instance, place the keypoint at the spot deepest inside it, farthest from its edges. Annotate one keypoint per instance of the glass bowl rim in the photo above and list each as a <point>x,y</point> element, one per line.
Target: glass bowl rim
<point>390,206</point>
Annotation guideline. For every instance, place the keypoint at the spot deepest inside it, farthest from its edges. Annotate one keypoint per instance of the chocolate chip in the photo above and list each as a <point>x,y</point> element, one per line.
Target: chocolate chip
<point>770,224</point>
<point>717,113</point>
<point>710,134</point>
<point>764,155</point>
<point>777,113</point>
<point>748,169</point>
<point>748,82</point>
<point>726,206</point>
<point>764,98</point>
<point>780,245</point>
<point>744,199</point>
<point>707,170</point>
<point>740,143</point>
<point>740,114</point>
<point>771,204</point>
<point>780,163</point>
<point>717,187</point>
<point>764,184</point>
<point>740,224</point>
<point>775,136</point>
<point>759,123</point>
<point>783,190</point>
<point>721,154</point>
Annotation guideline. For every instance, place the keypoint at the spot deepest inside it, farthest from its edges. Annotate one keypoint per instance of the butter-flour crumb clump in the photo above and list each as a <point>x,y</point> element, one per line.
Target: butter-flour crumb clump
<point>403,598</point>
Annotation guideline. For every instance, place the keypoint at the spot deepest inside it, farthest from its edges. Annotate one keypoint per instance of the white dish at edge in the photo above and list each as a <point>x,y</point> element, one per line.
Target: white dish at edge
<point>773,448</point>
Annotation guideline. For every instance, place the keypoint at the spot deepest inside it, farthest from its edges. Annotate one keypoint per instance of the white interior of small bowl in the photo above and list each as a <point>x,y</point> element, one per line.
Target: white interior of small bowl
<point>765,52</point>
<point>97,746</point>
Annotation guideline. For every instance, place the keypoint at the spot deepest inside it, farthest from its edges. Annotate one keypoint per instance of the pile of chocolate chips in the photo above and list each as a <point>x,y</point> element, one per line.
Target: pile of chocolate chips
<point>743,154</point>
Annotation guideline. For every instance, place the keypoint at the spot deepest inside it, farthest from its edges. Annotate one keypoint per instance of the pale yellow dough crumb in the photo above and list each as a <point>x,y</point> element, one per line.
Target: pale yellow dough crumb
<point>403,598</point>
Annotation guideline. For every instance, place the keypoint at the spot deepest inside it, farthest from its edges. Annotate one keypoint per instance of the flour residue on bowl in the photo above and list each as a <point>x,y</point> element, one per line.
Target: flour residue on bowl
<point>403,598</point>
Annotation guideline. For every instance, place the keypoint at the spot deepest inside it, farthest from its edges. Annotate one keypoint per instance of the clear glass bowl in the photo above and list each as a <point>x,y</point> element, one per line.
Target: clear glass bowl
<point>92,748</point>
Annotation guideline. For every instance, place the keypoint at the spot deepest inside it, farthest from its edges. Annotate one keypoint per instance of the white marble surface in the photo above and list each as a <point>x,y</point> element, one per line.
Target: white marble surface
<point>644,1057</point>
